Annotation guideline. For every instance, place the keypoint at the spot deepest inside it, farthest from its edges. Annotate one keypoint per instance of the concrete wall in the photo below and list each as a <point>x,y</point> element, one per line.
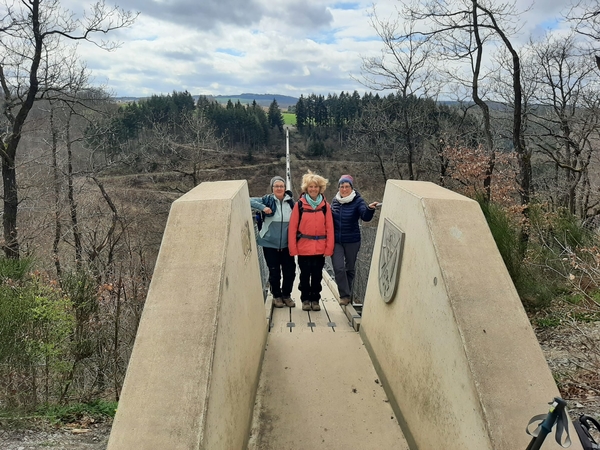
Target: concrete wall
<point>194,369</point>
<point>454,348</point>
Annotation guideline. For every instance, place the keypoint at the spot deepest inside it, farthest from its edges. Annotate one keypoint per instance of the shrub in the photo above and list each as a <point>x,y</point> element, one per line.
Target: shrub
<point>557,230</point>
<point>537,272</point>
<point>507,236</point>
<point>36,322</point>
<point>97,410</point>
<point>14,269</point>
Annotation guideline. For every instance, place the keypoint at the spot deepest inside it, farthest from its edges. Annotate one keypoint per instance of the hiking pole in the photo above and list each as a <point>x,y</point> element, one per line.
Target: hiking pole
<point>556,415</point>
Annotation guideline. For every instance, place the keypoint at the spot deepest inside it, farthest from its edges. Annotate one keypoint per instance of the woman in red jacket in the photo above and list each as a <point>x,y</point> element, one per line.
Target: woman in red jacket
<point>310,236</point>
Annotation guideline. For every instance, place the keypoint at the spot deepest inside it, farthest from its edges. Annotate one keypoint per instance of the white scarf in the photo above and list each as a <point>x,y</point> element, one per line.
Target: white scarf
<point>347,198</point>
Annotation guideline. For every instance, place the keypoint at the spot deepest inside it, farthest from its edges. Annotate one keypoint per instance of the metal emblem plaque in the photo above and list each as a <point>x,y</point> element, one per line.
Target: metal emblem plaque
<point>246,243</point>
<point>390,260</point>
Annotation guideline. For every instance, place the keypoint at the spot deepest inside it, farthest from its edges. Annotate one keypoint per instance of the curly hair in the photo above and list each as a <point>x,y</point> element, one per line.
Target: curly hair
<point>310,178</point>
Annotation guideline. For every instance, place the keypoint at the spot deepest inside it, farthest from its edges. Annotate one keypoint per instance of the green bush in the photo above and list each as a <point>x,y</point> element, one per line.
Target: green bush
<point>535,269</point>
<point>536,287</point>
<point>557,230</point>
<point>82,289</point>
<point>16,323</point>
<point>317,148</point>
<point>36,322</point>
<point>14,269</point>
<point>548,322</point>
<point>507,236</point>
<point>97,410</point>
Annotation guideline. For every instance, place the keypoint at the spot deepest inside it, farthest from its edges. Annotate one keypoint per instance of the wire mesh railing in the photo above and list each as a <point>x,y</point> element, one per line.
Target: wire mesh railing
<point>262,264</point>
<point>363,264</point>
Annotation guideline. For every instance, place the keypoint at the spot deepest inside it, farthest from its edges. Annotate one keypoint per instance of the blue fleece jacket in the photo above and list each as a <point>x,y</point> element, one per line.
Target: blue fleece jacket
<point>274,231</point>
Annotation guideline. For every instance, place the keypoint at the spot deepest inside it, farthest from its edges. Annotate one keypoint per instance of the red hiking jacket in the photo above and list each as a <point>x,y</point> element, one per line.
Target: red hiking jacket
<point>314,234</point>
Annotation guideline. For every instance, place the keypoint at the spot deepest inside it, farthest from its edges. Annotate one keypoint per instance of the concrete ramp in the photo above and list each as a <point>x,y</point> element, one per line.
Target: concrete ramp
<point>453,346</point>
<point>318,388</point>
<point>194,370</point>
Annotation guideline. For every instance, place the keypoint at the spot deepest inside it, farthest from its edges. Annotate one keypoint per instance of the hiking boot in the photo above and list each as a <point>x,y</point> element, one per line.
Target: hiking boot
<point>306,305</point>
<point>278,302</point>
<point>315,306</point>
<point>345,301</point>
<point>289,302</point>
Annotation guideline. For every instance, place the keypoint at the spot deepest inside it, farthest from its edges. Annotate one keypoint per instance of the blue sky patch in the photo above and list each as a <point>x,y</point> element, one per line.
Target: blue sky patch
<point>346,5</point>
<point>549,24</point>
<point>230,51</point>
<point>327,37</point>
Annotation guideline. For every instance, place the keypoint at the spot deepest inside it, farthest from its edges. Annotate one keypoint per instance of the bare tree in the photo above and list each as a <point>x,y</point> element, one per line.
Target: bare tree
<point>374,134</point>
<point>405,66</point>
<point>459,31</point>
<point>34,36</point>
<point>405,63</point>
<point>585,16</point>
<point>565,121</point>
<point>186,147</point>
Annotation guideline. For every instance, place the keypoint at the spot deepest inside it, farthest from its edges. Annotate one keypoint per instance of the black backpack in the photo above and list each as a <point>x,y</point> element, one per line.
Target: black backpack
<point>582,426</point>
<point>259,218</point>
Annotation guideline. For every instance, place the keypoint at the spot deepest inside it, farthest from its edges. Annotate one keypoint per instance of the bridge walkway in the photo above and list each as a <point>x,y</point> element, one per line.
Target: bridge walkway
<point>318,387</point>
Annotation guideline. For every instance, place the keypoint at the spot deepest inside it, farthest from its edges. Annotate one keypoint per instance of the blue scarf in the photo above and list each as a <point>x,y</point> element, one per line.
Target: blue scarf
<point>314,203</point>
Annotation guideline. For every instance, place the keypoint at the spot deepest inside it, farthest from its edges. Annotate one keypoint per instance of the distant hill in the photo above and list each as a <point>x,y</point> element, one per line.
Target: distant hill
<point>261,99</point>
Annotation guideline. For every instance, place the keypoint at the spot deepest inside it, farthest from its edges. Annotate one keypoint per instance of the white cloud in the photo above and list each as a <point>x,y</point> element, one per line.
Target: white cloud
<point>232,46</point>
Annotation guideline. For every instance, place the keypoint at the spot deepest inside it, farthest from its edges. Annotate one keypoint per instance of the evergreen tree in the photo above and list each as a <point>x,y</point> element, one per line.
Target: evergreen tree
<point>321,114</point>
<point>203,103</point>
<point>301,113</point>
<point>275,116</point>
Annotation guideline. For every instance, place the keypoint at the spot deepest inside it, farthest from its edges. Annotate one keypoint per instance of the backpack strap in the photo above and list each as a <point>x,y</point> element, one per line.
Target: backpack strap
<point>300,211</point>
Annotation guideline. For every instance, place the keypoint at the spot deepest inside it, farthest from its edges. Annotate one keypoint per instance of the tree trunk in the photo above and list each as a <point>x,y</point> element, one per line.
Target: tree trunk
<point>56,173</point>
<point>9,219</point>
<point>71,196</point>
<point>485,110</point>
<point>9,171</point>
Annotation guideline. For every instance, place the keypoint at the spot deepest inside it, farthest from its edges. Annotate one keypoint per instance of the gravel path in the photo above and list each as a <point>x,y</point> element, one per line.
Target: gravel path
<point>94,437</point>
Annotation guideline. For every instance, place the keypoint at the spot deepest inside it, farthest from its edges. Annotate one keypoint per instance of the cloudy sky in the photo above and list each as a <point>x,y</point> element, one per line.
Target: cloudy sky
<point>288,47</point>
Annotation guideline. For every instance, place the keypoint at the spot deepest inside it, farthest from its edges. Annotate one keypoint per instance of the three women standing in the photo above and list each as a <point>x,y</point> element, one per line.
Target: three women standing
<point>310,237</point>
<point>273,237</point>
<point>311,229</point>
<point>347,208</point>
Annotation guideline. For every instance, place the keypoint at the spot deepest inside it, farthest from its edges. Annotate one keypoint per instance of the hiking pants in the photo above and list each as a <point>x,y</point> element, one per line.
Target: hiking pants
<point>344,261</point>
<point>280,262</point>
<point>311,274</point>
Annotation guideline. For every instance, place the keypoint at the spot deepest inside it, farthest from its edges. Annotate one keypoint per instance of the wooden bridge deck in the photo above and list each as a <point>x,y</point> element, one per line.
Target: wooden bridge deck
<point>318,387</point>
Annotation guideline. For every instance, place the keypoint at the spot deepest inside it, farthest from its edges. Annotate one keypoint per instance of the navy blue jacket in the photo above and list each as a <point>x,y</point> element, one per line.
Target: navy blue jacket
<point>345,218</point>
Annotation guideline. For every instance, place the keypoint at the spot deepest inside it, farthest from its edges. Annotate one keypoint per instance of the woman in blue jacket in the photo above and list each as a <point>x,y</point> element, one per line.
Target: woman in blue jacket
<point>273,237</point>
<point>347,208</point>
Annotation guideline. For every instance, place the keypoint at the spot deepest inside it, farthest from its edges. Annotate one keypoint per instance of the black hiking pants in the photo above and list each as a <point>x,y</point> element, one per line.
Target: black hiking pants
<point>280,263</point>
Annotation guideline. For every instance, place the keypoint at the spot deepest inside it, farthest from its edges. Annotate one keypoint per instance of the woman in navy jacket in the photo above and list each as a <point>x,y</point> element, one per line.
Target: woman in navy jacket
<point>347,208</point>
